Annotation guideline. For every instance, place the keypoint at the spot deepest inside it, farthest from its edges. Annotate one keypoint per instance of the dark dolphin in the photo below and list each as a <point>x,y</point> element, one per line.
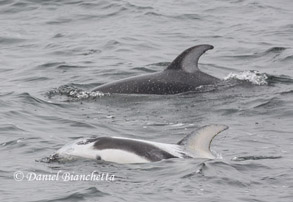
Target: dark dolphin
<point>182,75</point>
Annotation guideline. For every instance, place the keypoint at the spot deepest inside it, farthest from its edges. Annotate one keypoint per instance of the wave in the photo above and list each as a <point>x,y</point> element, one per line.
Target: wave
<point>268,56</point>
<point>246,158</point>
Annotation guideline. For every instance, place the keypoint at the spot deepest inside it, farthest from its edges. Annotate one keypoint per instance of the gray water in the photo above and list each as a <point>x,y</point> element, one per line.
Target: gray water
<point>53,53</point>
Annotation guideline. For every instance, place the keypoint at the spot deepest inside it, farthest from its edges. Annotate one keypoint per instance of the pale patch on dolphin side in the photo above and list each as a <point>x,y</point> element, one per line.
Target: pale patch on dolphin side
<point>75,149</point>
<point>120,156</point>
<point>173,149</point>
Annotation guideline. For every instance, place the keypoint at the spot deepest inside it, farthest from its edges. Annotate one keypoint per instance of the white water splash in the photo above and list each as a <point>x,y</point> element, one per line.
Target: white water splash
<point>216,154</point>
<point>84,94</point>
<point>252,76</point>
<point>75,93</point>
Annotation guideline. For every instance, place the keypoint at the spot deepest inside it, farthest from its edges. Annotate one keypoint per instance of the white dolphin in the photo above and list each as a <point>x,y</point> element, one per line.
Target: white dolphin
<point>127,150</point>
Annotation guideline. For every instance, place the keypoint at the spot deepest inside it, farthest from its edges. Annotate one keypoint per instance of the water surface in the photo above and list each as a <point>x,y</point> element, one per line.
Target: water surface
<point>53,53</point>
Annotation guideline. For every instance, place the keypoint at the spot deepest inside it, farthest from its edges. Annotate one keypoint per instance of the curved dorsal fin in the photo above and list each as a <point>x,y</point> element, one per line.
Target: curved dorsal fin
<point>188,59</point>
<point>199,142</point>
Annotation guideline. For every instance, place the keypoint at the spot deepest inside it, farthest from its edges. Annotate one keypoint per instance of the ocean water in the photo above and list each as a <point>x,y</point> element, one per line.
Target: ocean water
<point>53,53</point>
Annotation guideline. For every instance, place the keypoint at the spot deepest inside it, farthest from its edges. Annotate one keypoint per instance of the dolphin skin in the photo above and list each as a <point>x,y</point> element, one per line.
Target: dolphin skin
<point>182,75</point>
<point>127,150</point>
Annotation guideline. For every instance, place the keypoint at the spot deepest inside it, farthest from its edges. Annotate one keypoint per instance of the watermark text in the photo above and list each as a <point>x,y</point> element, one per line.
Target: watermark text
<point>64,176</point>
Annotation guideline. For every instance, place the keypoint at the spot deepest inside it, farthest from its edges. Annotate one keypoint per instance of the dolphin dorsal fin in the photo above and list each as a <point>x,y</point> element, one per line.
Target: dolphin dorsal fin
<point>198,143</point>
<point>188,59</point>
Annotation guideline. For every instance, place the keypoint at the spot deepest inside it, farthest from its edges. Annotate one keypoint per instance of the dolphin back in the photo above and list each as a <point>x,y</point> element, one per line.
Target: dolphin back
<point>198,143</point>
<point>182,75</point>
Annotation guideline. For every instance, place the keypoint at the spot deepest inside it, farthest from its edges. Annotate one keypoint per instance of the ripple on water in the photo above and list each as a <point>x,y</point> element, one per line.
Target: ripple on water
<point>83,194</point>
<point>11,41</point>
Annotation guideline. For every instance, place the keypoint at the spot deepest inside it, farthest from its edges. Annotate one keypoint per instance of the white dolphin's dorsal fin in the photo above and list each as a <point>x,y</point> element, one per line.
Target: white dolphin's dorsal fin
<point>188,59</point>
<point>199,142</point>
